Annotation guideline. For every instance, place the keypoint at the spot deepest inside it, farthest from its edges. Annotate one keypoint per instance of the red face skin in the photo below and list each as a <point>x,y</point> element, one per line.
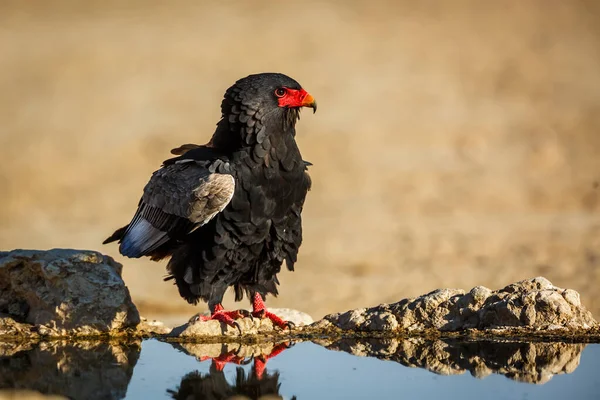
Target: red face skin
<point>291,98</point>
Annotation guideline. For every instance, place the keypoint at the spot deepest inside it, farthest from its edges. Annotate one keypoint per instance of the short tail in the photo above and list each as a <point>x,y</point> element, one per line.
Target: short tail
<point>128,250</point>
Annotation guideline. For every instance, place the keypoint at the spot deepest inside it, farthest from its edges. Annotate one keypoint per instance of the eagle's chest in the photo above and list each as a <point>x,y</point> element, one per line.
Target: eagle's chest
<point>262,200</point>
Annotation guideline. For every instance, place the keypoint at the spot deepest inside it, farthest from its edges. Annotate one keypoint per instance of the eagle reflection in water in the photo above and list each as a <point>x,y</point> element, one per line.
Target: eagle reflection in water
<point>255,385</point>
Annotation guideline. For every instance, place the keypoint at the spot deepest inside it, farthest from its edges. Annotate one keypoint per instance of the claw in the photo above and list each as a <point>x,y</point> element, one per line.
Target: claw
<point>219,314</point>
<point>290,325</point>
<point>247,361</point>
<point>289,345</point>
<point>195,318</point>
<point>235,323</point>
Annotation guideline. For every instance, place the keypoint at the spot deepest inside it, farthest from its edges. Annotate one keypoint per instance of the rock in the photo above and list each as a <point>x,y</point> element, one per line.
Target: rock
<point>215,328</point>
<point>74,369</point>
<point>10,327</point>
<point>151,328</point>
<point>249,326</point>
<point>533,304</point>
<point>299,318</point>
<point>63,292</point>
<point>520,361</point>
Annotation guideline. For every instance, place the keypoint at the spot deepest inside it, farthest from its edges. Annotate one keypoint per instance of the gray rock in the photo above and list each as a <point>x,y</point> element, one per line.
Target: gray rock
<point>533,304</point>
<point>524,362</point>
<point>63,292</point>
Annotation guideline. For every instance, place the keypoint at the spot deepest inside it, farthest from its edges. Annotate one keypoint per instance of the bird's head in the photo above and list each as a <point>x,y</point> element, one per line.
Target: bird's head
<point>260,104</point>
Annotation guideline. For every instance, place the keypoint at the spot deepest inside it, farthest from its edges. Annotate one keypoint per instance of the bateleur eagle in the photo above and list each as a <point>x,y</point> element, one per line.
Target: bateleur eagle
<point>228,213</point>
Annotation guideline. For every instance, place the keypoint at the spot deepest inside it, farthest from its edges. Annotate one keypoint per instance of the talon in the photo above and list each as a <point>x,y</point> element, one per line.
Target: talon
<point>237,351</point>
<point>237,326</point>
<point>219,314</point>
<point>247,361</point>
<point>197,318</point>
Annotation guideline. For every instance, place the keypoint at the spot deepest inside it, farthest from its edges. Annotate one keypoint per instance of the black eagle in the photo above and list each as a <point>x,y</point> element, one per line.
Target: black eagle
<point>228,213</point>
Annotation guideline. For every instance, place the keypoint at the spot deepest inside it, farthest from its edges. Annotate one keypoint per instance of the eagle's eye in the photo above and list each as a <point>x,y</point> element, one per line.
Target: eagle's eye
<point>280,92</point>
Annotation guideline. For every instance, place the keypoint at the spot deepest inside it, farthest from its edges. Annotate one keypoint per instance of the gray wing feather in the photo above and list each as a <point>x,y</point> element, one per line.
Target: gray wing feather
<point>179,198</point>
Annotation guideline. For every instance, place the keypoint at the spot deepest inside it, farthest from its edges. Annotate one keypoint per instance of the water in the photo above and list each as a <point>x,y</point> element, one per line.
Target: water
<point>369,369</point>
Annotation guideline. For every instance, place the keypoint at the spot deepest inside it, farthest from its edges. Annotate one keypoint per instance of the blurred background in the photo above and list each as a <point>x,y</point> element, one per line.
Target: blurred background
<point>457,143</point>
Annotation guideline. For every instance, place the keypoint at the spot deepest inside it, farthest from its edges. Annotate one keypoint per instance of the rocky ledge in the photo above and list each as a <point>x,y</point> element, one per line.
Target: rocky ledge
<point>81,293</point>
<point>529,305</point>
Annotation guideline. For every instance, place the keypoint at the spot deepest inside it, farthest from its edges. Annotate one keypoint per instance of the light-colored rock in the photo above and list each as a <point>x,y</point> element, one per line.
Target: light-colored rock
<point>152,327</point>
<point>10,327</point>
<point>215,328</point>
<point>63,292</point>
<point>249,326</point>
<point>299,318</point>
<point>524,362</point>
<point>534,304</point>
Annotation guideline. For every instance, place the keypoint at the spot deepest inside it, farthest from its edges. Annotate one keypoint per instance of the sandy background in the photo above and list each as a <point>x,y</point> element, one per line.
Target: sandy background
<point>457,142</point>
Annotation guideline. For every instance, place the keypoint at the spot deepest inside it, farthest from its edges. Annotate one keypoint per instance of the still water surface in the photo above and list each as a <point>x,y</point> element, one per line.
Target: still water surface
<point>309,371</point>
<point>390,369</point>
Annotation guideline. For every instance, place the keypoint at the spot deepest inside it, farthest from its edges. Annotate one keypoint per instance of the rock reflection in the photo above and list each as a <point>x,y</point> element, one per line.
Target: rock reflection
<point>524,362</point>
<point>258,383</point>
<point>80,370</point>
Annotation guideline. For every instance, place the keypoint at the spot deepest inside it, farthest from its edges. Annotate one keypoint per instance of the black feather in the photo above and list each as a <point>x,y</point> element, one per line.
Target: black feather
<point>245,244</point>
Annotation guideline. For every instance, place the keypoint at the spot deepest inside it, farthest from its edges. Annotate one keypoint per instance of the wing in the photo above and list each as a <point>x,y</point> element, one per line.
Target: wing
<point>180,197</point>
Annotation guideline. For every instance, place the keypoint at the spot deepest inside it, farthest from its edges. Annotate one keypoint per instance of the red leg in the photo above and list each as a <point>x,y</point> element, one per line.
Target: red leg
<point>260,363</point>
<point>259,310</point>
<point>259,367</point>
<point>223,359</point>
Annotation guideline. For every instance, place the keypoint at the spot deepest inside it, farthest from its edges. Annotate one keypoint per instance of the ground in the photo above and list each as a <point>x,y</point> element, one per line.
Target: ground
<point>456,143</point>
